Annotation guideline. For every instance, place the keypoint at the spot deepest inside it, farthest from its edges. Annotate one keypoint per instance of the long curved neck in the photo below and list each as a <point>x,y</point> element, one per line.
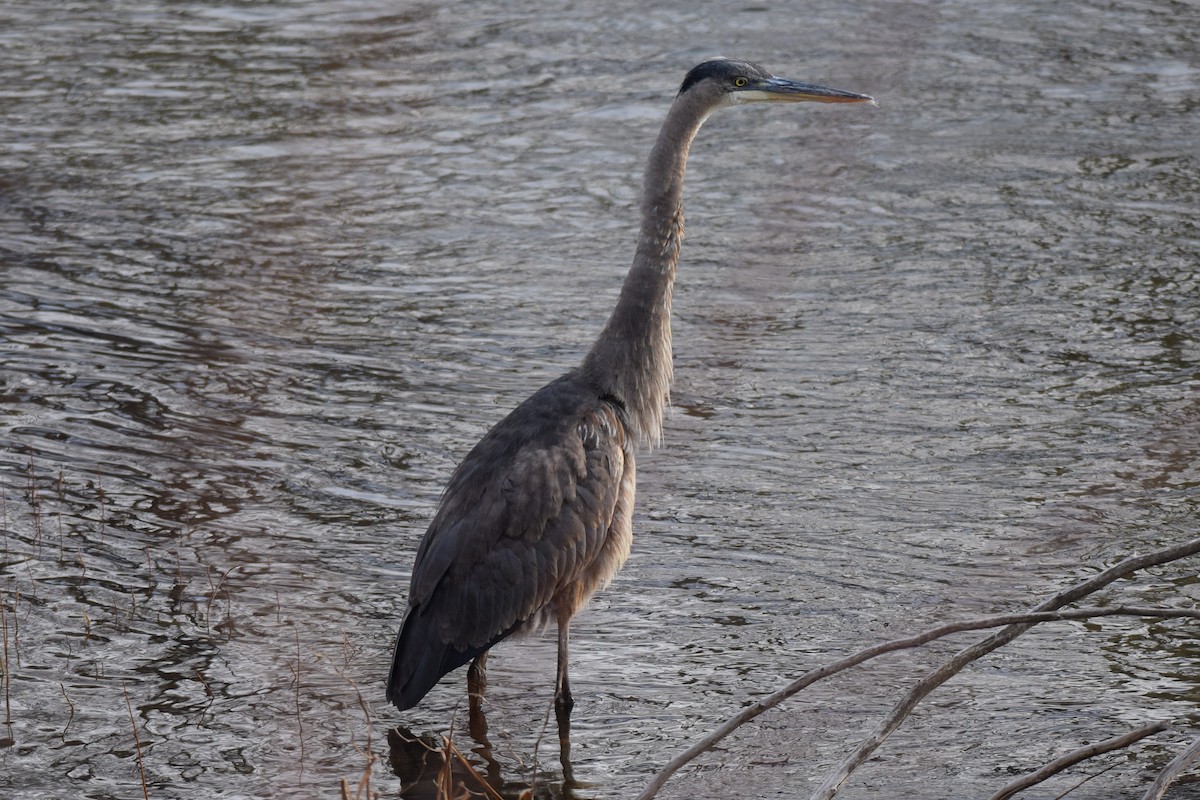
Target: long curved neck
<point>631,359</point>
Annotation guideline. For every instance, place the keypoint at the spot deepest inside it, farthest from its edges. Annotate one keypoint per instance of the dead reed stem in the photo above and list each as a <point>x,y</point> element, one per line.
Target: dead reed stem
<point>364,781</point>
<point>100,497</point>
<point>299,719</point>
<point>452,752</point>
<point>137,741</point>
<point>16,632</point>
<point>58,485</point>
<point>212,698</point>
<point>35,504</point>
<point>4,515</point>
<point>71,710</point>
<point>537,749</point>
<point>7,667</point>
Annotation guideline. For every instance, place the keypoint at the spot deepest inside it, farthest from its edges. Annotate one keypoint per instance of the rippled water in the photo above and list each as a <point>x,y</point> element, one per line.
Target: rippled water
<point>270,270</point>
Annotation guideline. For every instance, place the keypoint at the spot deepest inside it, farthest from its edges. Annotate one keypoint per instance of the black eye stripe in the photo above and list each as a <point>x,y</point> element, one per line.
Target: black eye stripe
<point>724,69</point>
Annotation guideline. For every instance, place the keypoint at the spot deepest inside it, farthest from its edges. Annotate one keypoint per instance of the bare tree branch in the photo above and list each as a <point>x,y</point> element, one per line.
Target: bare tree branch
<point>1173,770</point>
<point>1041,614</point>
<point>1082,754</point>
<point>812,676</point>
<point>1080,590</point>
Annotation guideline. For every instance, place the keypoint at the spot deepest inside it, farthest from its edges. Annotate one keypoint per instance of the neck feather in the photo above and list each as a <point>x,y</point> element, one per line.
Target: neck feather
<point>631,359</point>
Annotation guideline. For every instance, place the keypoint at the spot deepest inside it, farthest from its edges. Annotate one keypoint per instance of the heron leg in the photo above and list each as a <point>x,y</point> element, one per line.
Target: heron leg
<point>562,705</point>
<point>564,749</point>
<point>562,686</point>
<point>476,721</point>
<point>477,679</point>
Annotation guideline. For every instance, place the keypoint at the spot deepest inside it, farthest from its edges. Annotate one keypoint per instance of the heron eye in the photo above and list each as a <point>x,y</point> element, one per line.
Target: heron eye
<point>740,82</point>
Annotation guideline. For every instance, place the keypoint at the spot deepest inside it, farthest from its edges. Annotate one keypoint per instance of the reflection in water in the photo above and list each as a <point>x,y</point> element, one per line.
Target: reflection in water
<point>267,270</point>
<point>431,770</point>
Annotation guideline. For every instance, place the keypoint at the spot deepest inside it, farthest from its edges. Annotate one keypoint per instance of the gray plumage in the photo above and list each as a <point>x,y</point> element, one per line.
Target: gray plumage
<point>538,515</point>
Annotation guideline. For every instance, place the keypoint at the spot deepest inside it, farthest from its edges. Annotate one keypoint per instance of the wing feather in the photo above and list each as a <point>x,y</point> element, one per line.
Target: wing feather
<point>523,520</point>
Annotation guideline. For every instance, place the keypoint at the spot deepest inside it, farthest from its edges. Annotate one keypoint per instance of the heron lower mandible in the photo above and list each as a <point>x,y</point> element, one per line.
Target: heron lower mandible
<point>539,514</point>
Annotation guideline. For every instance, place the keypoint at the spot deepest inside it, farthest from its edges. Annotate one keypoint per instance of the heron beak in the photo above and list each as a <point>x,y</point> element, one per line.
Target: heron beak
<point>781,90</point>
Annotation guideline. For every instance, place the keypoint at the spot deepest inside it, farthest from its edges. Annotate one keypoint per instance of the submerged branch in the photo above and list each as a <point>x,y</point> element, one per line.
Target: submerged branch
<point>936,678</point>
<point>1015,624</point>
<point>1082,754</point>
<point>812,676</point>
<point>1173,770</point>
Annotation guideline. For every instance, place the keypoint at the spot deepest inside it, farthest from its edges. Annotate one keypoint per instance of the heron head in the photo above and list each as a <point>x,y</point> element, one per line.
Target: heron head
<point>731,80</point>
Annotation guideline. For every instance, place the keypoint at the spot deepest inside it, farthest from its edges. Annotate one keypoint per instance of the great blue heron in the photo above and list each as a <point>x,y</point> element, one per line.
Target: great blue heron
<point>538,516</point>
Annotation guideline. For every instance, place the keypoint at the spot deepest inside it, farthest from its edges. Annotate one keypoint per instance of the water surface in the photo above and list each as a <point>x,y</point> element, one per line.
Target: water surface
<point>270,271</point>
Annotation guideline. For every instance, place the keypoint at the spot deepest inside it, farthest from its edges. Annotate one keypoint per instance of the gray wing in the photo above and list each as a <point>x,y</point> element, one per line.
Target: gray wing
<point>525,517</point>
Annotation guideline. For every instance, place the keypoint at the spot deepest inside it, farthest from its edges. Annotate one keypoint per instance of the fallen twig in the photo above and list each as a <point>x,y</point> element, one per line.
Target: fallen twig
<point>1082,754</point>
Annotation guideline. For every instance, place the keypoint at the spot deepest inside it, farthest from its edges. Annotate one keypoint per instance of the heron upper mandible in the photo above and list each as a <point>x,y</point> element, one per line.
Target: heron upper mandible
<point>539,514</point>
